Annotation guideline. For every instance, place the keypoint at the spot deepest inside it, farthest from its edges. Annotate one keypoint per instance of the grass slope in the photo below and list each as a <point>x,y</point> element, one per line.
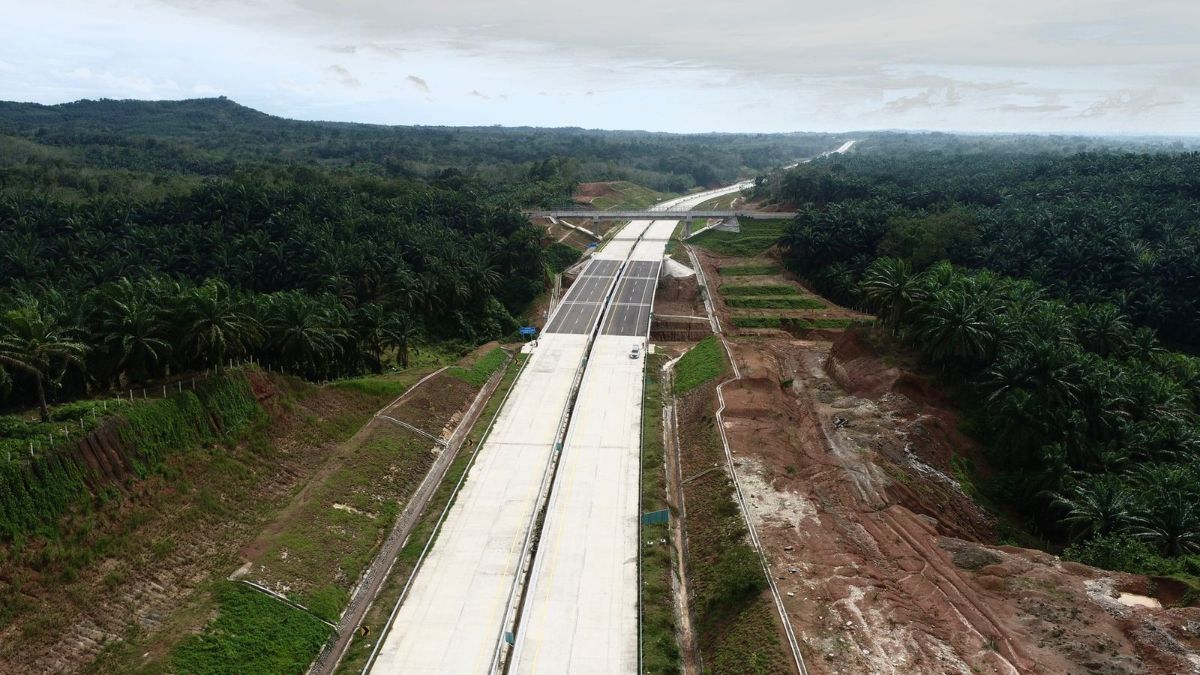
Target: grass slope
<point>660,648</point>
<point>774,303</point>
<point>748,270</point>
<point>756,236</point>
<point>763,289</point>
<point>253,633</point>
<point>702,363</point>
<point>479,372</point>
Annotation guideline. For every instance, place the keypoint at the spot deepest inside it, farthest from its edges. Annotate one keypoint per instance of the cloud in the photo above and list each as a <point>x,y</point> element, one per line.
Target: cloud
<point>477,94</point>
<point>342,76</point>
<point>1129,103</point>
<point>340,49</point>
<point>420,84</point>
<point>930,98</point>
<point>1039,108</point>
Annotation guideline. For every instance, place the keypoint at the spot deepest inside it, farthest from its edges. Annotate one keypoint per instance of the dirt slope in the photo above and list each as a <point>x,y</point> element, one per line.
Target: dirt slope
<point>883,560</point>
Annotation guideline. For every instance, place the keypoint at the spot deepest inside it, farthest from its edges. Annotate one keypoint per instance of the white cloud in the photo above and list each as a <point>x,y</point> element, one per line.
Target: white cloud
<point>674,65</point>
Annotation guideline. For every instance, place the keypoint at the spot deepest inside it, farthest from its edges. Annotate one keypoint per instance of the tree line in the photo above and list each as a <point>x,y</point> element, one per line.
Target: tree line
<point>1062,291</point>
<point>320,274</point>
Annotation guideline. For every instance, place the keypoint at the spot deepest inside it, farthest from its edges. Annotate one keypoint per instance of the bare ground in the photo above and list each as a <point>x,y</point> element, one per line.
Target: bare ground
<point>882,558</point>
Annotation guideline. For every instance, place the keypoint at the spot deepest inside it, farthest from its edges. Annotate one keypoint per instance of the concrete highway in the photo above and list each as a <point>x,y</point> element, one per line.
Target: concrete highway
<point>580,611</point>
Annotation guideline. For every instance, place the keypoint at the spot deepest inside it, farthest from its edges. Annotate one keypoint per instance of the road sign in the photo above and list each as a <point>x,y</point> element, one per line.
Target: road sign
<point>655,517</point>
<point>528,330</point>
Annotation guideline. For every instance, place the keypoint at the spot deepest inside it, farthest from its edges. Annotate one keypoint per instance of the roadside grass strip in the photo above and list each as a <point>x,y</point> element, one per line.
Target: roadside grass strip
<point>423,534</point>
<point>774,303</point>
<point>735,621</point>
<point>764,289</point>
<point>478,373</point>
<point>748,270</point>
<point>252,633</point>
<point>660,649</point>
<point>323,549</point>
<point>701,364</point>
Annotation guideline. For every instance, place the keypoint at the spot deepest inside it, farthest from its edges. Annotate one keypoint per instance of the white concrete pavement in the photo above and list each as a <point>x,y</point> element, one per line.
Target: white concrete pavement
<point>581,611</point>
<point>450,621</point>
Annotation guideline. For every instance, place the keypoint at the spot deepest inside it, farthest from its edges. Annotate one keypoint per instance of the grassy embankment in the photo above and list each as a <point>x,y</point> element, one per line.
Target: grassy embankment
<point>755,238</point>
<point>217,481</point>
<point>376,618</point>
<point>660,650</point>
<point>735,621</point>
<point>800,323</point>
<point>774,302</point>
<point>322,547</point>
<point>752,270</point>
<point>629,196</point>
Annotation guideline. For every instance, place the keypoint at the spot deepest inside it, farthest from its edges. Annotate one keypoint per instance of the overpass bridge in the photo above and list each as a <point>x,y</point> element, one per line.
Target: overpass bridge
<point>659,214</point>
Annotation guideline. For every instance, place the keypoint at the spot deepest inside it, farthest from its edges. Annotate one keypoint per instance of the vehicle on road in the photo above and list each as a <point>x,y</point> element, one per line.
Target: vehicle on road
<point>635,352</point>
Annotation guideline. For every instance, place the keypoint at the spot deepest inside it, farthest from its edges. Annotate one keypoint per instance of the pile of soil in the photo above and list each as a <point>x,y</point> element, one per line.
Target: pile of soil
<point>885,564</point>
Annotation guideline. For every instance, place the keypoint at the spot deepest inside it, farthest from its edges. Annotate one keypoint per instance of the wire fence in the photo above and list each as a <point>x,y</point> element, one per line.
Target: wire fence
<point>93,411</point>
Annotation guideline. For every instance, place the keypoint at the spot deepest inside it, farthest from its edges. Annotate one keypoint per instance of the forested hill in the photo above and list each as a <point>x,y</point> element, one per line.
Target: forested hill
<point>216,136</point>
<point>1057,296</point>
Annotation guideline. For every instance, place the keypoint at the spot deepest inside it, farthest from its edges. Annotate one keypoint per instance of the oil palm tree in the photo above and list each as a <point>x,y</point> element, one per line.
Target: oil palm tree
<point>35,342</point>
<point>218,324</point>
<point>1100,505</point>
<point>892,289</point>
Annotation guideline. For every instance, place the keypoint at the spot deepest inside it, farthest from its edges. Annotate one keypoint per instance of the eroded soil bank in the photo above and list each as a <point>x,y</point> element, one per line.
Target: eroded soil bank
<point>885,564</point>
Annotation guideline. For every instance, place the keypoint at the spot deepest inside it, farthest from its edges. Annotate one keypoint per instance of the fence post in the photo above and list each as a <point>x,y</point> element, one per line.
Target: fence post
<point>164,391</point>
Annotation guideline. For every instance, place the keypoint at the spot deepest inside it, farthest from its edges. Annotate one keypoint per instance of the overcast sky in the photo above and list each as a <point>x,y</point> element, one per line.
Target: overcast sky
<point>1103,66</point>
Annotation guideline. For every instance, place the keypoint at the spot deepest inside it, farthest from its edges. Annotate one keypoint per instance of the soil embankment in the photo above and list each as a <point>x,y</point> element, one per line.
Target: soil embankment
<point>886,565</point>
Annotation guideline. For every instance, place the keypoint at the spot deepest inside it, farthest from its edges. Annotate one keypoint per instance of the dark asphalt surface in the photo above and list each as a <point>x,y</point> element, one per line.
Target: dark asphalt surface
<point>629,313</point>
<point>630,310</point>
<point>584,299</point>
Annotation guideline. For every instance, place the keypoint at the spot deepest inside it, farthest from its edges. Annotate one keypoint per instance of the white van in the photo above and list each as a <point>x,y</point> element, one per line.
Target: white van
<point>635,352</point>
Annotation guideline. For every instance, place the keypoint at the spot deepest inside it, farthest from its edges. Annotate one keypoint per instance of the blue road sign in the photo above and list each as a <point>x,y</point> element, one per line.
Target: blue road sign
<point>528,330</point>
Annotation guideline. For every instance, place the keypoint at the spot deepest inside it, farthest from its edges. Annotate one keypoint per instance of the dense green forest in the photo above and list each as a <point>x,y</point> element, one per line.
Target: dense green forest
<point>160,141</point>
<point>1062,288</point>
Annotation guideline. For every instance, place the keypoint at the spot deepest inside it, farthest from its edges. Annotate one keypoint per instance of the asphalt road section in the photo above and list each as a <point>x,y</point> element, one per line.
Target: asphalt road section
<point>629,313</point>
<point>580,307</point>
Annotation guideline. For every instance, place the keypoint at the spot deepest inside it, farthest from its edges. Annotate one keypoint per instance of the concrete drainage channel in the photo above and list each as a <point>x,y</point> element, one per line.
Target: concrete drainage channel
<point>793,643</point>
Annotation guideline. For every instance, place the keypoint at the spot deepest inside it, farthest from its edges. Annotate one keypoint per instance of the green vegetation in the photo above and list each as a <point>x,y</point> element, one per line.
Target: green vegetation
<point>560,256</point>
<point>737,631</point>
<point>253,633</point>
<point>359,649</point>
<point>479,372</point>
<point>702,363</point>
<point>660,648</point>
<point>34,493</point>
<point>796,323</point>
<point>755,238</point>
<point>629,196</point>
<point>764,289</point>
<point>1053,284</point>
<point>150,145</point>
<point>323,543</point>
<point>1084,414</point>
<point>748,270</point>
<point>774,303</point>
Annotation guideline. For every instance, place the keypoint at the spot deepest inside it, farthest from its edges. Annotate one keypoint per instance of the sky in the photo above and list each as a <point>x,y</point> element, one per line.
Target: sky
<point>1089,66</point>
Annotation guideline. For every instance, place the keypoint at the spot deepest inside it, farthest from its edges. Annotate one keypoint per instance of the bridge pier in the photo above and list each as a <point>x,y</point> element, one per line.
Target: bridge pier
<point>596,226</point>
<point>687,227</point>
